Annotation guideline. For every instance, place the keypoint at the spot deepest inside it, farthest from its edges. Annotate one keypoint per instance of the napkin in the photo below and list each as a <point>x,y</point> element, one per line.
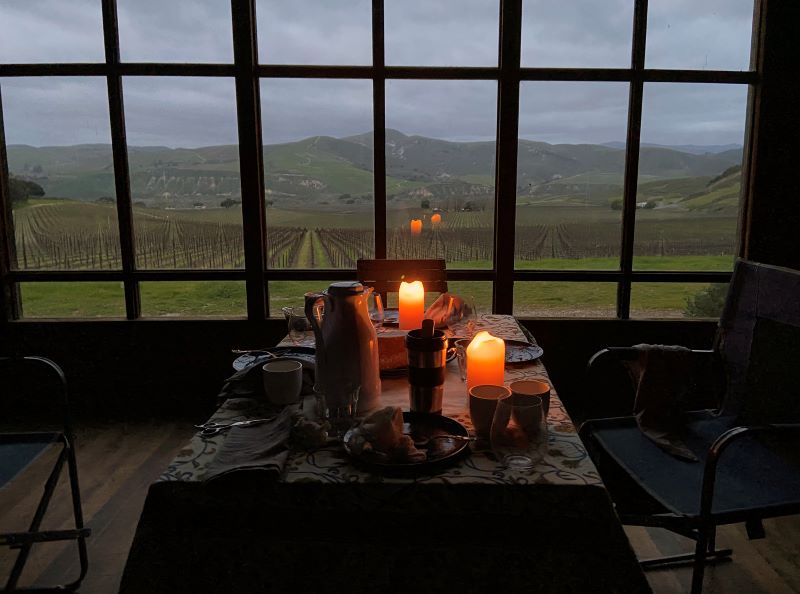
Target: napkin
<point>263,447</point>
<point>447,309</point>
<point>248,381</point>
<point>659,374</point>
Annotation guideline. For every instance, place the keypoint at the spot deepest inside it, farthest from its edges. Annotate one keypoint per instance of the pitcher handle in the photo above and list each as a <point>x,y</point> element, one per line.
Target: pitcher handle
<point>312,302</point>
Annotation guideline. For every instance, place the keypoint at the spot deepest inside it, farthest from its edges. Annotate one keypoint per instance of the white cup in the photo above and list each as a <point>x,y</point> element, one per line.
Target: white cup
<point>523,389</point>
<point>283,380</point>
<point>482,404</point>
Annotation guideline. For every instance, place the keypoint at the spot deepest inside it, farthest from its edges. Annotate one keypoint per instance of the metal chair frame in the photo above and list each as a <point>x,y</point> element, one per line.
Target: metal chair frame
<point>23,541</point>
<point>702,527</point>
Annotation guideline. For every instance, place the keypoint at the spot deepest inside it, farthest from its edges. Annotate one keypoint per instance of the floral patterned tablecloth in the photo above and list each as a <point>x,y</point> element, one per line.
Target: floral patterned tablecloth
<point>565,463</point>
<point>327,526</point>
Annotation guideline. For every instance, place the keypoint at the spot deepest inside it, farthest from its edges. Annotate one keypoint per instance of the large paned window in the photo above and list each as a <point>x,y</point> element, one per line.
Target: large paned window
<point>222,157</point>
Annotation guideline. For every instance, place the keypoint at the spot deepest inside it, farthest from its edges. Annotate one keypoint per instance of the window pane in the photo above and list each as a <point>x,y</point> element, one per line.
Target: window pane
<point>290,294</point>
<point>72,300</point>
<point>47,31</point>
<point>708,35</point>
<point>184,164</point>
<point>480,292</point>
<point>440,156</point>
<point>690,173</point>
<point>443,33</point>
<point>570,174</point>
<point>677,300</point>
<point>193,298</point>
<point>62,179</point>
<point>314,32</point>
<point>549,299</point>
<point>175,31</point>
<point>582,33</point>
<point>318,172</point>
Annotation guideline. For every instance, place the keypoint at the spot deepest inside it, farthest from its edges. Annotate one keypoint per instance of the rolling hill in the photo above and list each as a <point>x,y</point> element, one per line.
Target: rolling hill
<point>327,172</point>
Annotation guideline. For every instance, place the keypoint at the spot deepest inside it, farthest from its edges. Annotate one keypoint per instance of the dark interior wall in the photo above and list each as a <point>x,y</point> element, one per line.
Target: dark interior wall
<point>773,209</point>
<point>174,369</point>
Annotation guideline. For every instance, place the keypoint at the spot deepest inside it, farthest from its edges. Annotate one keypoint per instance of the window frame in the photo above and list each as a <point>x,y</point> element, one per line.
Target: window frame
<point>248,75</point>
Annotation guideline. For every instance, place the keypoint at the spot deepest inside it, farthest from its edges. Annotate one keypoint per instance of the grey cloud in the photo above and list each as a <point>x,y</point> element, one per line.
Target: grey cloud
<point>55,111</point>
<point>180,112</point>
<point>323,32</point>
<point>293,109</point>
<point>51,31</point>
<point>456,110</point>
<point>192,112</point>
<point>175,30</point>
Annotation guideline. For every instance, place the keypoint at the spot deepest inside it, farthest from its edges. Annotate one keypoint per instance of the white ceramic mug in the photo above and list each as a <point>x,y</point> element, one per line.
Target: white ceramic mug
<point>526,388</point>
<point>482,404</point>
<point>283,380</point>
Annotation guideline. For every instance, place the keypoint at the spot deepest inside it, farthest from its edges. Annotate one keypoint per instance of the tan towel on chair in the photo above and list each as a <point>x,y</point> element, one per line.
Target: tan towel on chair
<point>660,375</point>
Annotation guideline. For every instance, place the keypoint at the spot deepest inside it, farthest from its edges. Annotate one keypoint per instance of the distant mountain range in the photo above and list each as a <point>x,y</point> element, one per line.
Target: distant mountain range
<point>693,149</point>
<point>323,170</point>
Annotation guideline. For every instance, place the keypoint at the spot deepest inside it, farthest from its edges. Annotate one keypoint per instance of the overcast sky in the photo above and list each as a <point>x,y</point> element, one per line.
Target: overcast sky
<point>706,34</point>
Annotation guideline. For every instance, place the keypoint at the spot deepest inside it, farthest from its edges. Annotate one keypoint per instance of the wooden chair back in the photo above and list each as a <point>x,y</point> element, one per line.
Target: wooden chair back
<point>385,276</point>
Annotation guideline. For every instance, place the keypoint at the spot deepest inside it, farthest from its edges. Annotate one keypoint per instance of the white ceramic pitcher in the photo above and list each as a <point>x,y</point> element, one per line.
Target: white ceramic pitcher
<point>346,344</point>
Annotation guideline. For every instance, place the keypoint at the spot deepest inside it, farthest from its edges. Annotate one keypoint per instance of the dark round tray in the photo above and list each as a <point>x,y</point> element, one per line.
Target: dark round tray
<point>441,452</point>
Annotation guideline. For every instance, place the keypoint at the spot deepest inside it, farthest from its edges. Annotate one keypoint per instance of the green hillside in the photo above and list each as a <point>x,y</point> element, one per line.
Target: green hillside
<point>329,173</point>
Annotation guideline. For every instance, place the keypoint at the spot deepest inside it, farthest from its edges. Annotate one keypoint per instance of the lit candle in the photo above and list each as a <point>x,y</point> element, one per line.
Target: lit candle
<point>412,305</point>
<point>416,226</point>
<point>486,356</point>
<point>436,219</point>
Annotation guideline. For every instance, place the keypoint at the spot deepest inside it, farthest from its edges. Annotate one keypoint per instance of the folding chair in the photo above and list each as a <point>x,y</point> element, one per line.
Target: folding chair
<point>18,451</point>
<point>748,449</point>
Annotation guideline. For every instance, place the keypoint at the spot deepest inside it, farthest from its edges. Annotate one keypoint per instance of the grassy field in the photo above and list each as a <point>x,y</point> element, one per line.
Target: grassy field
<point>227,298</point>
<point>91,228</point>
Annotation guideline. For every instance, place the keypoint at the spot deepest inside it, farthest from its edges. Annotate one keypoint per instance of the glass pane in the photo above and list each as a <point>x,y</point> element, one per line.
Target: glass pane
<point>46,31</point>
<point>440,156</point>
<point>72,300</point>
<point>175,31</point>
<point>690,174</point>
<point>577,34</point>
<point>479,291</point>
<point>443,33</point>
<point>184,164</point>
<point>193,298</point>
<point>61,173</point>
<point>549,299</point>
<point>290,294</point>
<point>318,172</point>
<point>677,300</point>
<point>708,35</point>
<point>314,33</point>
<point>570,174</point>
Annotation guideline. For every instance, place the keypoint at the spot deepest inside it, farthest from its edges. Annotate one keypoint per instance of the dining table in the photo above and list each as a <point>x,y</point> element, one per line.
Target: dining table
<point>323,522</point>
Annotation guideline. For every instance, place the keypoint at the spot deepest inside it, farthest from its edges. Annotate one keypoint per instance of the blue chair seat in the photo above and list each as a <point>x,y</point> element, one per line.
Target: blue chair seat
<point>18,451</point>
<point>752,473</point>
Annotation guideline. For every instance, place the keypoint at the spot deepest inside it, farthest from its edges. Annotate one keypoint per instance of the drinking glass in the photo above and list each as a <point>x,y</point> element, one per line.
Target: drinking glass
<point>297,322</point>
<point>519,432</point>
<point>461,356</point>
<point>339,406</point>
<point>462,315</point>
<point>375,304</point>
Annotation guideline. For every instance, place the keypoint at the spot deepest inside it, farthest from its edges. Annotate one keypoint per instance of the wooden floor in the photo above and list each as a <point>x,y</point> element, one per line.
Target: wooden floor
<point>118,463</point>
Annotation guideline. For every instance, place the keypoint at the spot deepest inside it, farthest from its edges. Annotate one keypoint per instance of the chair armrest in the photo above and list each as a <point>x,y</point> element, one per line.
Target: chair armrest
<point>722,443</point>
